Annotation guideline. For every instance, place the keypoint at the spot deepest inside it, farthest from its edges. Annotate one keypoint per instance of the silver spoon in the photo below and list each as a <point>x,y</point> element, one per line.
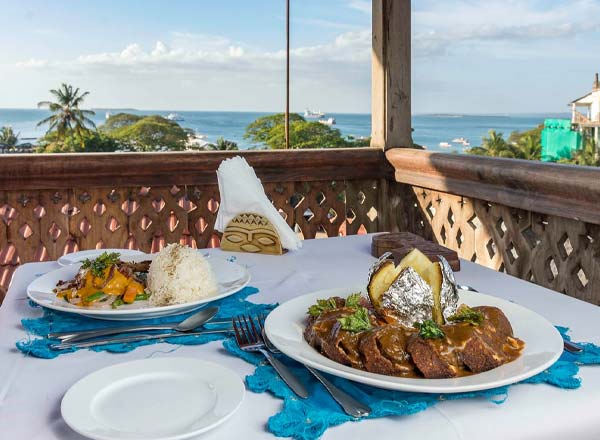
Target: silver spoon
<point>188,324</point>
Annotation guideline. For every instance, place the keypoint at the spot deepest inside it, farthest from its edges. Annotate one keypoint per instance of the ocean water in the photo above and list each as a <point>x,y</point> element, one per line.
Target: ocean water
<point>429,130</point>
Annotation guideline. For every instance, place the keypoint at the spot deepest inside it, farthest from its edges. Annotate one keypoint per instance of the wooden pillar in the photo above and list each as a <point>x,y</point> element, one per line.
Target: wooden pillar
<point>390,89</point>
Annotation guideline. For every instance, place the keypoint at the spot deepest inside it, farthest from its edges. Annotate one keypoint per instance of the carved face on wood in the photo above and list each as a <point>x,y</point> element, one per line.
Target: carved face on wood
<point>251,233</point>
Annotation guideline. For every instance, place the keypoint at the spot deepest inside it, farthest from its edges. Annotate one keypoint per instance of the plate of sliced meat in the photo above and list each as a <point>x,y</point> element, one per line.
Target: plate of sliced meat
<point>485,342</point>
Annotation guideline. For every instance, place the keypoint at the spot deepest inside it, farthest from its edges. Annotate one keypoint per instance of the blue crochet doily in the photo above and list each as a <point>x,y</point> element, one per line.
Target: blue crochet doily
<point>309,419</point>
<point>52,321</point>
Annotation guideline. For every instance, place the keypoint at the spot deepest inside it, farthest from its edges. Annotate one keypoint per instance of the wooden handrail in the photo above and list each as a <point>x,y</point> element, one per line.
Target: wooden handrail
<point>568,191</point>
<point>97,170</point>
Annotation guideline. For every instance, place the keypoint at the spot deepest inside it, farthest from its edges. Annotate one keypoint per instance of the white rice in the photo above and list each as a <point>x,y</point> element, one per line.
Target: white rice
<point>180,274</point>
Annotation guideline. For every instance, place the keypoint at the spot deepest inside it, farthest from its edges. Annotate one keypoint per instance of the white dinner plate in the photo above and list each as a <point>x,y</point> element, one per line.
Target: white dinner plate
<point>543,346</point>
<point>166,398</point>
<point>78,257</point>
<point>230,276</point>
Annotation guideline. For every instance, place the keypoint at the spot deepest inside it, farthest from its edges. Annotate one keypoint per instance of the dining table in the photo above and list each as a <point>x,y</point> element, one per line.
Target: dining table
<point>31,389</point>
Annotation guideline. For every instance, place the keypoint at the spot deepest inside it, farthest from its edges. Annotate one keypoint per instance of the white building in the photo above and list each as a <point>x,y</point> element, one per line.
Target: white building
<point>589,116</point>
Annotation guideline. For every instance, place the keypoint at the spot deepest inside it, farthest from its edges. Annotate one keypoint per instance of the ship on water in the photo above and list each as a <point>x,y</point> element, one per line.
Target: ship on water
<point>175,117</point>
<point>310,114</point>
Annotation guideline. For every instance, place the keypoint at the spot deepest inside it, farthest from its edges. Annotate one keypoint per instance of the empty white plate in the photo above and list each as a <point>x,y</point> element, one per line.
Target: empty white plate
<point>153,399</point>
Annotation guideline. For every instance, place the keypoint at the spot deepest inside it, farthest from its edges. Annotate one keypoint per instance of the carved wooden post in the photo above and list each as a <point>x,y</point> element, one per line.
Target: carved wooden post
<point>390,96</point>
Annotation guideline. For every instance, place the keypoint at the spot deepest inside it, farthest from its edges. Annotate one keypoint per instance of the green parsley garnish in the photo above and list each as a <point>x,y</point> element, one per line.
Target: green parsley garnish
<point>322,305</point>
<point>325,305</point>
<point>357,321</point>
<point>141,297</point>
<point>117,302</point>
<point>467,314</point>
<point>98,265</point>
<point>353,300</point>
<point>428,329</point>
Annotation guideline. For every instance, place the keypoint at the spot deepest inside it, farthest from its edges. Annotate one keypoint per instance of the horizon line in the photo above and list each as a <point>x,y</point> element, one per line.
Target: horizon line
<point>124,109</point>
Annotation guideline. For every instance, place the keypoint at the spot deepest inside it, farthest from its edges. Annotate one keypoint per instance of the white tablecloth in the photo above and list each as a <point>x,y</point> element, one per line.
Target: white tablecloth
<point>31,389</point>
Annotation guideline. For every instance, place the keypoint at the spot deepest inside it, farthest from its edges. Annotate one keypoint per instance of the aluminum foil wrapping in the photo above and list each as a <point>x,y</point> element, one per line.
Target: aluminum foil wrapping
<point>385,258</point>
<point>448,293</point>
<point>409,298</point>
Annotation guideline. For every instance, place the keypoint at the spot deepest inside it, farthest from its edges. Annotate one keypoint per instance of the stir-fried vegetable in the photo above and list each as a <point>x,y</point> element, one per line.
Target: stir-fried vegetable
<point>105,279</point>
<point>98,265</point>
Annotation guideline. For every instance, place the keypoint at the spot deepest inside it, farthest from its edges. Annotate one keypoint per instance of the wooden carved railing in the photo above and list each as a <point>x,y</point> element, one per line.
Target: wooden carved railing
<point>54,204</point>
<point>539,222</point>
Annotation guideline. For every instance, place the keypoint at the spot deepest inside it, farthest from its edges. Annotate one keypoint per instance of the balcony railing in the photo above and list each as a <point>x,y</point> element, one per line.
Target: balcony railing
<point>55,204</point>
<point>536,221</point>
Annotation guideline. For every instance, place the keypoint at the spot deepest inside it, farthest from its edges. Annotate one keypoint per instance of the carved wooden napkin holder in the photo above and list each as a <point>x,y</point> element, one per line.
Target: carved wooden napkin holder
<point>253,233</point>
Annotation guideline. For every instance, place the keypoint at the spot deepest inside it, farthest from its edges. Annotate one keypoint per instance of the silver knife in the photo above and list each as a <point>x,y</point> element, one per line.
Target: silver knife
<point>134,338</point>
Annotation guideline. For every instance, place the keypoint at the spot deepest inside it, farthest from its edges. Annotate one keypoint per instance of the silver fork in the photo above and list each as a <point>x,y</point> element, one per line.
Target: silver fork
<point>349,404</point>
<point>249,339</point>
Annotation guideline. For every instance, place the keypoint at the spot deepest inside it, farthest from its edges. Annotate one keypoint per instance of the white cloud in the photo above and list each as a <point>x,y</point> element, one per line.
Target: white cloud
<point>361,5</point>
<point>213,72</point>
<point>32,63</point>
<point>439,26</point>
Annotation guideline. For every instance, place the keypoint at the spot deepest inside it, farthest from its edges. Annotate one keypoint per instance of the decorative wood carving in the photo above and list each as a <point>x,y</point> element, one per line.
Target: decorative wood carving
<point>555,252</point>
<point>254,233</point>
<point>41,225</point>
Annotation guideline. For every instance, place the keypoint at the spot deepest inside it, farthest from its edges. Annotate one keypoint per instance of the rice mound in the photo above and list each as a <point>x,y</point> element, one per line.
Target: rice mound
<point>180,274</point>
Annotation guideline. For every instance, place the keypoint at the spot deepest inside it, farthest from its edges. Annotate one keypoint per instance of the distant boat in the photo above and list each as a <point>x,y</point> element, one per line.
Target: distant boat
<point>107,115</point>
<point>308,113</point>
<point>445,145</point>
<point>175,117</point>
<point>328,121</point>
<point>461,140</point>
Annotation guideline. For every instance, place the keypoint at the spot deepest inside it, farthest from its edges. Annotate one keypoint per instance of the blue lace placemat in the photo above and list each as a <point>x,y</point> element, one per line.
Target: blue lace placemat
<point>36,344</point>
<point>309,419</point>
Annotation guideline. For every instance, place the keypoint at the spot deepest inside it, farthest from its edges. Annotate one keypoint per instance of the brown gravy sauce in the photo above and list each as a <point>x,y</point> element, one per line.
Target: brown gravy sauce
<point>393,340</point>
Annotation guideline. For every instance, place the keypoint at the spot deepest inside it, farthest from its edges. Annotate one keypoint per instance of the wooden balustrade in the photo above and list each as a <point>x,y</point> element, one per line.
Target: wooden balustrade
<point>536,221</point>
<point>53,204</point>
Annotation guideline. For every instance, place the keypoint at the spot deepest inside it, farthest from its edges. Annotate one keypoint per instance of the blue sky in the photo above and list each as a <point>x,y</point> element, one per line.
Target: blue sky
<point>494,56</point>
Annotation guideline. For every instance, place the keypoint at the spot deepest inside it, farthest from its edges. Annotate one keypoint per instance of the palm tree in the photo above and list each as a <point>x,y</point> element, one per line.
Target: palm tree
<point>8,138</point>
<point>588,154</point>
<point>528,147</point>
<point>494,145</point>
<point>222,145</point>
<point>67,116</point>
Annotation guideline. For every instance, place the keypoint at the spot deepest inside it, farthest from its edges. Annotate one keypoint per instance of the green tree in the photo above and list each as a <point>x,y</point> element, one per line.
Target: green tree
<point>535,133</point>
<point>493,145</point>
<point>119,120</point>
<point>222,145</point>
<point>259,131</point>
<point>146,133</point>
<point>588,154</point>
<point>87,142</point>
<point>66,114</point>
<point>304,134</point>
<point>270,130</point>
<point>528,147</point>
<point>8,138</point>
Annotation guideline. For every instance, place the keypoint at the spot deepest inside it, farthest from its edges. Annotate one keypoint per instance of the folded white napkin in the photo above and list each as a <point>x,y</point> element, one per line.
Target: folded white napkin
<point>241,191</point>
